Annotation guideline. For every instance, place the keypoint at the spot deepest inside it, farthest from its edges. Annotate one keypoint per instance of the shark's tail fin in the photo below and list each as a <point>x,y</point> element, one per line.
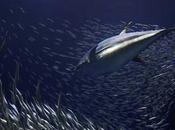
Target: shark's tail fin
<point>171,29</point>
<point>167,31</point>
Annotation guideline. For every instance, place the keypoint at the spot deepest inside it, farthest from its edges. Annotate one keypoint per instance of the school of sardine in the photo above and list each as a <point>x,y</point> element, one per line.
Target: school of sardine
<point>136,97</point>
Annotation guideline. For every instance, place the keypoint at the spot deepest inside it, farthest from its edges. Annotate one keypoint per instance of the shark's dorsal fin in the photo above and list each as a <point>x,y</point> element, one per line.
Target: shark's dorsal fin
<point>126,28</point>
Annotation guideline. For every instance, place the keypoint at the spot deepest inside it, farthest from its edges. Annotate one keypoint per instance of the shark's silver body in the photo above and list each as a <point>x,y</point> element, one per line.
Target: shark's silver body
<point>111,54</point>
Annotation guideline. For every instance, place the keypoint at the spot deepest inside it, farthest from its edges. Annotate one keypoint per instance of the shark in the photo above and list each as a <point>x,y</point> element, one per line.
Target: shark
<point>112,53</point>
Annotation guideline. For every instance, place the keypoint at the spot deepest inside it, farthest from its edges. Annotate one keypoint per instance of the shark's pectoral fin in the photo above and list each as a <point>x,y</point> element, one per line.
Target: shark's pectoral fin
<point>138,59</point>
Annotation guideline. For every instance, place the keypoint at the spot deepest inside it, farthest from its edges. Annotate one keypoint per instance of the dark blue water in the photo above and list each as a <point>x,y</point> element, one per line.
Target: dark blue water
<point>150,12</point>
<point>111,102</point>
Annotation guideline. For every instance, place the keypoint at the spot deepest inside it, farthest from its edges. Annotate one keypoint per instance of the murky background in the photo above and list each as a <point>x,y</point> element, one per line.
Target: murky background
<point>47,39</point>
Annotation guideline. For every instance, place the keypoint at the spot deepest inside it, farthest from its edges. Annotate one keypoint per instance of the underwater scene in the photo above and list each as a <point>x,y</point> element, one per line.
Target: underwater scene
<point>87,65</point>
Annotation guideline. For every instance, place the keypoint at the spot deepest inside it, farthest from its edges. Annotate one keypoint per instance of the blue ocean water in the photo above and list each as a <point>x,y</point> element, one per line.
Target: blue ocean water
<point>48,37</point>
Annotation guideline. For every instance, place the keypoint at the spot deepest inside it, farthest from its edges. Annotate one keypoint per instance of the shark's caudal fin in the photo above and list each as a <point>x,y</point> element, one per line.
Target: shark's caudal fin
<point>166,31</point>
<point>171,29</point>
<point>126,28</point>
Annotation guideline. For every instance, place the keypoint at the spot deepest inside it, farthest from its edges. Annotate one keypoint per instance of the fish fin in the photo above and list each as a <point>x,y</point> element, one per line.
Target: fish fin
<point>138,59</point>
<point>126,28</point>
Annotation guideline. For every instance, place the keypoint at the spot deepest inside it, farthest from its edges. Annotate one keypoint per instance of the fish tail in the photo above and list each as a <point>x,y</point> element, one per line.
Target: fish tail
<point>167,31</point>
<point>171,29</point>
